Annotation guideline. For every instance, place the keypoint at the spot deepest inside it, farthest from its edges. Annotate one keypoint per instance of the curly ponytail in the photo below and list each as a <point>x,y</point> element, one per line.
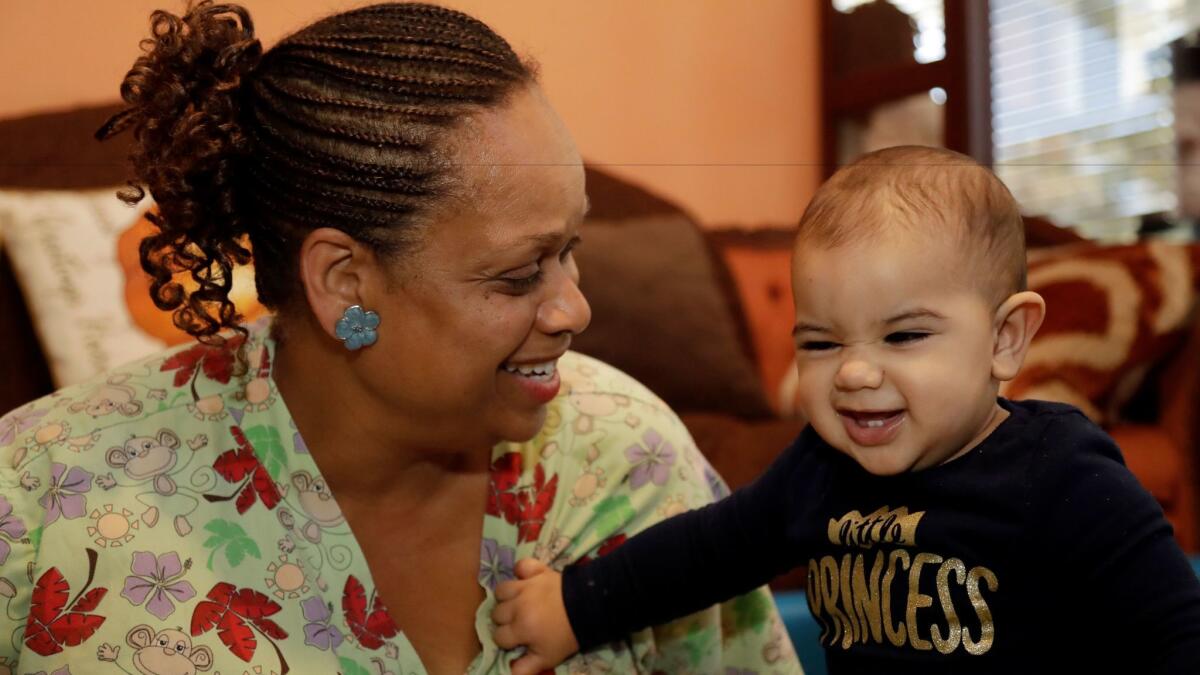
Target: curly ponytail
<point>184,112</point>
<point>339,125</point>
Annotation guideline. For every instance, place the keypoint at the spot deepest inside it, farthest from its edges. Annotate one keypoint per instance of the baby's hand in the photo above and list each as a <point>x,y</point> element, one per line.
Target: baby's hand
<point>530,612</point>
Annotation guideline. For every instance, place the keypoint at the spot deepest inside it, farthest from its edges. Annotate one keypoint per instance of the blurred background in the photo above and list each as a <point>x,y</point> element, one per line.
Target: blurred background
<point>738,109</point>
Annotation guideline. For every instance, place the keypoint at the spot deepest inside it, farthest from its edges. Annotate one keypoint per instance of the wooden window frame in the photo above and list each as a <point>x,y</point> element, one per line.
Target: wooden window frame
<point>964,73</point>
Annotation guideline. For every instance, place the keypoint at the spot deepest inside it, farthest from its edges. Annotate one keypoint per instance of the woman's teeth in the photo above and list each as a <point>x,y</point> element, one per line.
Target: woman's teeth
<point>537,371</point>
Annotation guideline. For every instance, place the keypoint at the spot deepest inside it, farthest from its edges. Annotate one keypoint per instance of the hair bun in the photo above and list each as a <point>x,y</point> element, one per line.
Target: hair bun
<point>183,95</point>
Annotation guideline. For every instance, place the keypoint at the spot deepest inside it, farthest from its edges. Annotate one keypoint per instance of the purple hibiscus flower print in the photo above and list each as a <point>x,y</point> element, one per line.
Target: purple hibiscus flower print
<point>318,632</point>
<point>652,460</point>
<point>65,496</point>
<point>17,422</point>
<point>157,579</point>
<point>10,526</point>
<point>496,563</point>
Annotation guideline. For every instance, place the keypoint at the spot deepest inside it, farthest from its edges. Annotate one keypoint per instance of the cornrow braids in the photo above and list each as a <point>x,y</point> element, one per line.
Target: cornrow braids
<point>343,124</point>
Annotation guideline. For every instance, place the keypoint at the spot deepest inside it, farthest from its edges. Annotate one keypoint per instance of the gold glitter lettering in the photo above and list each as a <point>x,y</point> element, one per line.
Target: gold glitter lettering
<point>851,635</point>
<point>815,596</point>
<point>917,599</point>
<point>895,635</point>
<point>951,642</point>
<point>829,592</point>
<point>987,632</point>
<point>883,525</point>
<point>866,595</point>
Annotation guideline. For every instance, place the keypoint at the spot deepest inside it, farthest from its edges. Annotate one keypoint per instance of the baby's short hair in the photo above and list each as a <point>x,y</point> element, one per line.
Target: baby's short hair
<point>929,191</point>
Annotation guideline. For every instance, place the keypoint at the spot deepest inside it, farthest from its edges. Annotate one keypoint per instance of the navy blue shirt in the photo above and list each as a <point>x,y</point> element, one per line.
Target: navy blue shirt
<point>1037,551</point>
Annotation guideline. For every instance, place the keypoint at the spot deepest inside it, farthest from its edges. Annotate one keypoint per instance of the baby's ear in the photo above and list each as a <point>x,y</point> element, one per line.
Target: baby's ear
<point>1016,322</point>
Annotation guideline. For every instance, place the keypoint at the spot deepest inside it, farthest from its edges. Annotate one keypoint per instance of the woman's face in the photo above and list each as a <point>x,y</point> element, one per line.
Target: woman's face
<point>480,311</point>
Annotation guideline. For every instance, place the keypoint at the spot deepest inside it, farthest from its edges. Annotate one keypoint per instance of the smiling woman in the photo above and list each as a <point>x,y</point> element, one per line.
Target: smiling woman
<point>341,485</point>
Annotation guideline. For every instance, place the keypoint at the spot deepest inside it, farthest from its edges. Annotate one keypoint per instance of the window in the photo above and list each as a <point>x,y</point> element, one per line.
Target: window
<point>1081,110</point>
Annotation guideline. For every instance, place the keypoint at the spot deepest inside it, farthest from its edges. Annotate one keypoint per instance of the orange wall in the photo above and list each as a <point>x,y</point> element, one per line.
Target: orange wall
<point>713,103</point>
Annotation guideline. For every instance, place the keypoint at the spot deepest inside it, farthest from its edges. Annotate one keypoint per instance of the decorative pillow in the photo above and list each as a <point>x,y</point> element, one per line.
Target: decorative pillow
<point>659,314</point>
<point>1112,313</point>
<point>75,257</point>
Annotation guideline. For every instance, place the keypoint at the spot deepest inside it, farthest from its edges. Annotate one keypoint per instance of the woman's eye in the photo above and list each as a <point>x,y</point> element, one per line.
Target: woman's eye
<point>523,284</point>
<point>570,248</point>
<point>817,346</point>
<point>905,337</point>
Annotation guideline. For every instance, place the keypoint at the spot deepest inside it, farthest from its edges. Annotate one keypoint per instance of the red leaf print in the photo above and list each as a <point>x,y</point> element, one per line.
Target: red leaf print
<point>265,487</point>
<point>611,544</point>
<point>354,602</point>
<point>48,629</point>
<point>88,601</point>
<point>218,362</point>
<point>221,592</point>
<point>73,628</point>
<point>264,366</point>
<point>534,503</point>
<point>270,628</point>
<point>184,363</point>
<point>372,630</point>
<point>502,498</point>
<point>237,636</point>
<point>380,622</point>
<point>235,465</point>
<point>39,641</point>
<point>49,596</point>
<point>245,499</point>
<point>206,616</point>
<point>251,604</point>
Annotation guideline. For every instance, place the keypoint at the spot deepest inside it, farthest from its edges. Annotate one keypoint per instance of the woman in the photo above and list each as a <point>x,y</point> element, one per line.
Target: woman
<point>412,202</point>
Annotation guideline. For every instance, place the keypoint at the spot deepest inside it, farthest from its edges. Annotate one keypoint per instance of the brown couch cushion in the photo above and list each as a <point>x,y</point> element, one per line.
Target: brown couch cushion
<point>57,150</point>
<point>659,314</point>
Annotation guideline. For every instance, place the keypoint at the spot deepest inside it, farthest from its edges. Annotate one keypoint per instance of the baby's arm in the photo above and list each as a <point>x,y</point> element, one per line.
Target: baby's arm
<point>674,568</point>
<point>530,612</point>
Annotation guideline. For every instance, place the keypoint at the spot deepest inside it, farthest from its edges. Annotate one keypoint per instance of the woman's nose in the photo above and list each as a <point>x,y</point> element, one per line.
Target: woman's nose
<point>858,374</point>
<point>565,310</point>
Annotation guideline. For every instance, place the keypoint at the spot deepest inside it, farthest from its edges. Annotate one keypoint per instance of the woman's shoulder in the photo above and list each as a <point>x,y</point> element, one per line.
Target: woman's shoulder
<point>600,407</point>
<point>583,374</point>
<point>182,385</point>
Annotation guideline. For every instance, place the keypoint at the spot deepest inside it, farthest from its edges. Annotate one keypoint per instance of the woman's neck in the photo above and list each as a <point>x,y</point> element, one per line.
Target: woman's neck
<point>362,448</point>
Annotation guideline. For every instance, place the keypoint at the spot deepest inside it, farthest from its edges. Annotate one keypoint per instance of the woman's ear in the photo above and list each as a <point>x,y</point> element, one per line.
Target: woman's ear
<point>334,269</point>
<point>1016,322</point>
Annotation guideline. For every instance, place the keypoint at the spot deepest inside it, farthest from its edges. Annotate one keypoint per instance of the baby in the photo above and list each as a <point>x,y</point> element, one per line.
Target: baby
<point>944,529</point>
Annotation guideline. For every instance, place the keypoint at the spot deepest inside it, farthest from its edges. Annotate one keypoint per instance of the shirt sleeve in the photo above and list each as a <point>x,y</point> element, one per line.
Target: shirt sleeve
<point>686,563</point>
<point>1126,570</point>
<point>617,461</point>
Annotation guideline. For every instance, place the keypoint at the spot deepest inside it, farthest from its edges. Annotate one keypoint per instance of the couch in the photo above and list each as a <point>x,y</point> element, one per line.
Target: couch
<point>701,316</point>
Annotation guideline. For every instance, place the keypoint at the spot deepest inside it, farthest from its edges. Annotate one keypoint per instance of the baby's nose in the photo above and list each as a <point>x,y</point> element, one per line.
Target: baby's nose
<point>859,374</point>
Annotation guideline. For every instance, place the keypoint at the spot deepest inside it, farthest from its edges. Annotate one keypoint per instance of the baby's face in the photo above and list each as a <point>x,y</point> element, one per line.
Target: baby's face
<point>894,350</point>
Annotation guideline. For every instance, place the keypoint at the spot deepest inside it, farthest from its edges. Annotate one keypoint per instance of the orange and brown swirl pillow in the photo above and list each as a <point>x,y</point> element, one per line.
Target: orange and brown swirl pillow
<point>1112,314</point>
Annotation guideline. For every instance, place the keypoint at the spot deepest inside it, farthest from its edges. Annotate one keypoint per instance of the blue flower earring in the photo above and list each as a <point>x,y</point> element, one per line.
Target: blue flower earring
<point>356,328</point>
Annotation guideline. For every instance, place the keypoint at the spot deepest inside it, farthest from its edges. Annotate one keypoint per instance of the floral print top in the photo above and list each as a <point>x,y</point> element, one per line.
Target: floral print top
<point>167,518</point>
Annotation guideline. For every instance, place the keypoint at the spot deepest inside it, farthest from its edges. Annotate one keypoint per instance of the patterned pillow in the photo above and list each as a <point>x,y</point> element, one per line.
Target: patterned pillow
<point>1112,314</point>
<point>75,257</point>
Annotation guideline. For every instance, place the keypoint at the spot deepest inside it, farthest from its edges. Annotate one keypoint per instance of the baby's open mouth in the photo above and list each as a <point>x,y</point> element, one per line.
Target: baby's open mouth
<point>874,419</point>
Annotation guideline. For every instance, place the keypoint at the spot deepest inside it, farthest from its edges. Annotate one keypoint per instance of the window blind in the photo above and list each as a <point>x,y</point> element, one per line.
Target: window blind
<point>1081,108</point>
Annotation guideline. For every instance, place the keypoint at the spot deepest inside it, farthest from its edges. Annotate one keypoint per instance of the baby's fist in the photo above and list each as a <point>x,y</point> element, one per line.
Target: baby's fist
<point>530,612</point>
